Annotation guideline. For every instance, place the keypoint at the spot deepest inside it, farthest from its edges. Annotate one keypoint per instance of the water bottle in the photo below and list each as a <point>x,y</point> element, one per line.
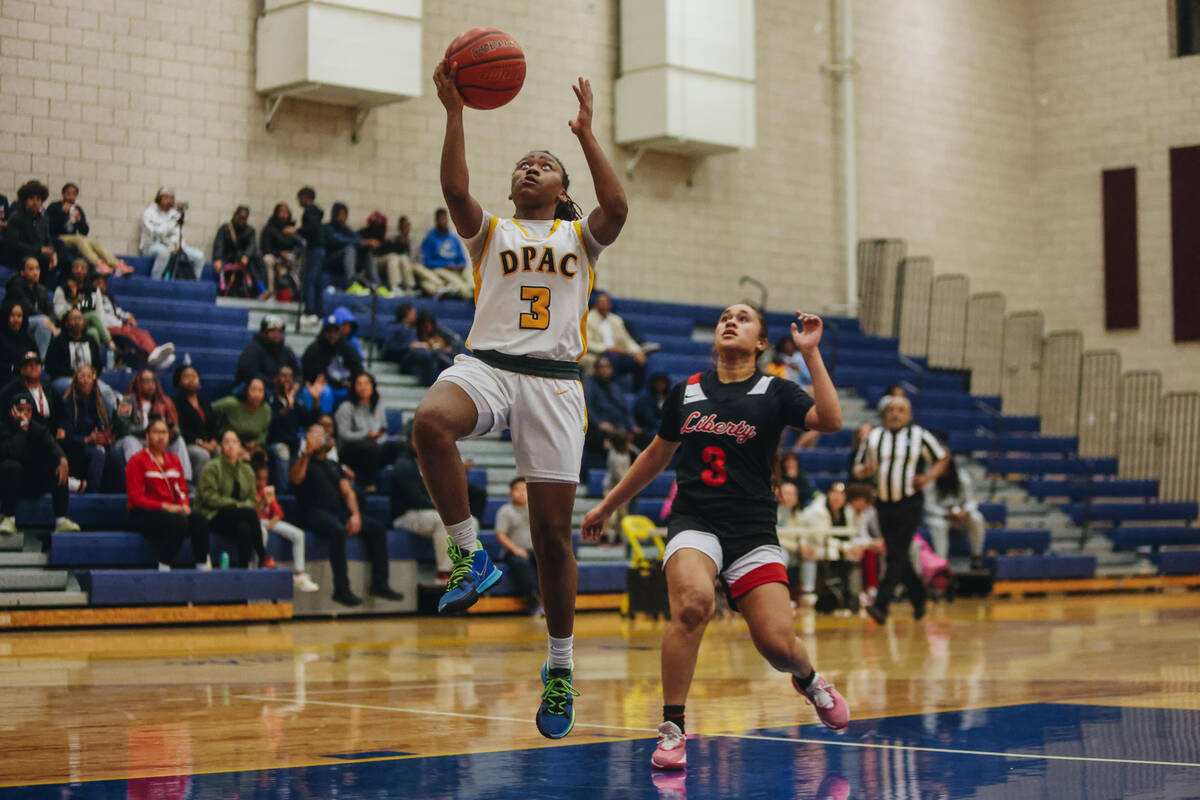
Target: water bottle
<point>224,560</point>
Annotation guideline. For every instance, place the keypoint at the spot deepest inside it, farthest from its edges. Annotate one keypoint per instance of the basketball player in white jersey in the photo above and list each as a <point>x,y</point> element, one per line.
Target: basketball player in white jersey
<point>533,274</point>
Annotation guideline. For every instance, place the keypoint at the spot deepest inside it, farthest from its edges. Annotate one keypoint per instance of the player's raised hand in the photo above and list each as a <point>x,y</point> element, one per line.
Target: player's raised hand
<point>444,75</point>
<point>806,331</point>
<point>593,524</point>
<point>582,122</point>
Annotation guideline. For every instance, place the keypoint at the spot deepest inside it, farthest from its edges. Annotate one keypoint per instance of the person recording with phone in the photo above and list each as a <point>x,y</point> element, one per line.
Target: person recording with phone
<point>162,236</point>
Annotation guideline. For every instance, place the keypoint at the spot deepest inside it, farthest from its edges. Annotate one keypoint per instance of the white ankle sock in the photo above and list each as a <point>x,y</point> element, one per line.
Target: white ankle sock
<point>463,533</point>
<point>164,567</point>
<point>561,652</point>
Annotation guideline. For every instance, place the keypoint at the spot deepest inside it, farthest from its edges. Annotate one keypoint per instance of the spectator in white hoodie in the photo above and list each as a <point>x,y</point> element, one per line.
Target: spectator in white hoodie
<point>162,234</point>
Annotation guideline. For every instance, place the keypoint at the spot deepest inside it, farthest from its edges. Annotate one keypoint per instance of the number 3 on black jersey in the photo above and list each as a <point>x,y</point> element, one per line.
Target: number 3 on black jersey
<point>715,458</point>
<point>538,316</point>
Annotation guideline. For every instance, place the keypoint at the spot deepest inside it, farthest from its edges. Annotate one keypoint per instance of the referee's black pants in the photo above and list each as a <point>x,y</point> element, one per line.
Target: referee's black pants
<point>898,521</point>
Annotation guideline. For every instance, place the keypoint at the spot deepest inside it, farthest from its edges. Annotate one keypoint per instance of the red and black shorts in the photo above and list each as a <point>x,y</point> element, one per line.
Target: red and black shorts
<point>743,561</point>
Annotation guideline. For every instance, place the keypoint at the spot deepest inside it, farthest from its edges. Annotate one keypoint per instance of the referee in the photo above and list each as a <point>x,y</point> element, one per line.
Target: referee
<point>891,453</point>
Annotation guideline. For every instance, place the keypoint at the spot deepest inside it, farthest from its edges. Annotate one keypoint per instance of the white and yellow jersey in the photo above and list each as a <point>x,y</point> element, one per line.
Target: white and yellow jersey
<point>532,282</point>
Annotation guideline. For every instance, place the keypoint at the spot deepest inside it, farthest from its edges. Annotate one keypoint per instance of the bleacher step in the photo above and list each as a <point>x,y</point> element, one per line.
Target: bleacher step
<point>34,599</point>
<point>23,559</point>
<point>597,554</point>
<point>33,580</point>
<point>11,541</point>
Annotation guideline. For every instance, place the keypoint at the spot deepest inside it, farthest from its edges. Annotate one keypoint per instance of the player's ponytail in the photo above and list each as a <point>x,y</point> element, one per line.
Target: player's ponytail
<point>566,209</point>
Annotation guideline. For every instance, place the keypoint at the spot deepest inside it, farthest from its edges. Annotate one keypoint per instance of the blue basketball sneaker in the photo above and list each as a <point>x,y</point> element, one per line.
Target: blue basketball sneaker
<point>556,714</point>
<point>472,574</point>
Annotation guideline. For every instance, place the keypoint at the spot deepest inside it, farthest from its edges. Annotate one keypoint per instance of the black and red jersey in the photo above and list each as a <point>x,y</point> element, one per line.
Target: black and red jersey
<point>728,434</point>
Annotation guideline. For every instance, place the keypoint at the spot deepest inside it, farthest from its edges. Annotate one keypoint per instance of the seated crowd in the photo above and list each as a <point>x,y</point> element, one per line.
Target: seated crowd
<point>310,425</point>
<point>190,468</point>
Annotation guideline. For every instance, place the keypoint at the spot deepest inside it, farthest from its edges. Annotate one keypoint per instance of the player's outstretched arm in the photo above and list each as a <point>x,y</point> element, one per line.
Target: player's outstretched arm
<point>607,220</point>
<point>826,414</point>
<point>653,460</point>
<point>464,210</point>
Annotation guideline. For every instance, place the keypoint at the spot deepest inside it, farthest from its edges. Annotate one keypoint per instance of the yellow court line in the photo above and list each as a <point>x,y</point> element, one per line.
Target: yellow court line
<point>951,751</point>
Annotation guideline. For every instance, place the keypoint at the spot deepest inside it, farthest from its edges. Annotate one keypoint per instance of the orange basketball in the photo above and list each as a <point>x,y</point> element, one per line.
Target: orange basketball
<point>491,67</point>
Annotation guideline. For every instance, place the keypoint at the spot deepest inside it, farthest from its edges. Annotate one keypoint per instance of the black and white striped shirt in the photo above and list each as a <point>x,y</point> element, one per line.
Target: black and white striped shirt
<point>897,454</point>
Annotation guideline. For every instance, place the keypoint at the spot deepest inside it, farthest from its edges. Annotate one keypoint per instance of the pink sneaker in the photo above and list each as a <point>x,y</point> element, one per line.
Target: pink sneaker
<point>828,702</point>
<point>671,752</point>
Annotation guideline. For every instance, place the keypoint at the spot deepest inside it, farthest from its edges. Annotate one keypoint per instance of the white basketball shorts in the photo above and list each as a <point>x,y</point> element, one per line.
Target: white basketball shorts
<point>547,416</point>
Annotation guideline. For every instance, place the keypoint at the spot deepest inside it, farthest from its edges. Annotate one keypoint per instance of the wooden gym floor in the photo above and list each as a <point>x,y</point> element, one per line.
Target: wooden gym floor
<point>1075,697</point>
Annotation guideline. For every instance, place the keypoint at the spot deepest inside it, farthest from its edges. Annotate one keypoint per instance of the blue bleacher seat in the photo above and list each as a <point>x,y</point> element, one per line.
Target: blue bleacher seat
<point>1050,465</point>
<point>36,512</point>
<point>98,511</point>
<point>994,512</point>
<point>956,421</point>
<point>106,548</point>
<point>649,507</point>
<point>489,514</point>
<point>1080,488</point>
<point>1178,562</point>
<point>840,439</point>
<point>395,421</point>
<point>1009,443</point>
<point>1131,538</point>
<point>602,578</point>
<point>1051,567</point>
<point>659,487</point>
<point>824,459</point>
<point>151,587</point>
<point>144,286</point>
<point>141,265</point>
<point>964,442</point>
<point>1130,512</point>
<point>1007,423</point>
<point>1005,539</point>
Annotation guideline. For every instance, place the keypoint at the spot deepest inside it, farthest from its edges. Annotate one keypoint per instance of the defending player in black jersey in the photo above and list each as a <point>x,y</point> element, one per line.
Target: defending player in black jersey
<point>728,422</point>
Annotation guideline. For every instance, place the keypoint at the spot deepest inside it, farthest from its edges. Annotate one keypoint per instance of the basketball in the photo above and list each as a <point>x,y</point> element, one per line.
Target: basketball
<point>491,67</point>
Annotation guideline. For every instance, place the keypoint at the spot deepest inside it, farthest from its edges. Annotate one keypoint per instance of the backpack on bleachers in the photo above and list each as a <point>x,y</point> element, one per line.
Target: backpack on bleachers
<point>179,267</point>
<point>235,280</point>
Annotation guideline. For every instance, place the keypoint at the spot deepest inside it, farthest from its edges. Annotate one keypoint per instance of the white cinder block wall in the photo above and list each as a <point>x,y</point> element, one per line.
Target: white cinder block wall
<point>973,140</point>
<point>1107,94</point>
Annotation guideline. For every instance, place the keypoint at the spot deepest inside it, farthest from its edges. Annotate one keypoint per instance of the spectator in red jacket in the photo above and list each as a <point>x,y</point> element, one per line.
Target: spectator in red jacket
<point>158,504</point>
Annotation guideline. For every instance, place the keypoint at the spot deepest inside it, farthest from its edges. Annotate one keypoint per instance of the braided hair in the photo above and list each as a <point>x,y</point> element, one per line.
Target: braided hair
<point>565,209</point>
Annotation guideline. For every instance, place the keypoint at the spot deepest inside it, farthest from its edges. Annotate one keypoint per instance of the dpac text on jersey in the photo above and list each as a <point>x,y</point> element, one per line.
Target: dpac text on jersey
<point>740,430</point>
<point>510,261</point>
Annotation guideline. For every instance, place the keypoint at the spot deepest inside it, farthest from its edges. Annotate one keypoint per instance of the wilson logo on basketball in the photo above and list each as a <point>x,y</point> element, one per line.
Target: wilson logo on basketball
<point>483,48</point>
<point>740,430</point>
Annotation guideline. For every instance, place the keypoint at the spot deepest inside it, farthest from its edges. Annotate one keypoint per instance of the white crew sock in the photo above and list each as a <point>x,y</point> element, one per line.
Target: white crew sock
<point>561,652</point>
<point>464,534</point>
